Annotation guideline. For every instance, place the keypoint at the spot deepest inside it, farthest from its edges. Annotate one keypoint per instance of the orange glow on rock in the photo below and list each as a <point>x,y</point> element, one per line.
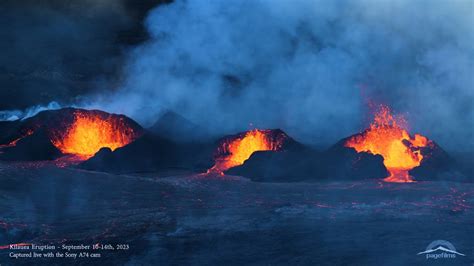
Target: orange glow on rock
<point>237,151</point>
<point>15,141</point>
<point>90,132</point>
<point>388,137</point>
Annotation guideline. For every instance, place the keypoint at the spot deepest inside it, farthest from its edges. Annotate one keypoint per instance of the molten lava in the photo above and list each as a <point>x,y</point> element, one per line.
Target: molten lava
<point>234,152</point>
<point>388,137</point>
<point>90,132</point>
<point>15,141</point>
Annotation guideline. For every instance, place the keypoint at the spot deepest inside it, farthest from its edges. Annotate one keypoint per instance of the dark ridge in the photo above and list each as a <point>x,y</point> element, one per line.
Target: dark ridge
<point>279,166</point>
<point>302,163</point>
<point>35,147</point>
<point>177,128</point>
<point>151,153</point>
<point>347,164</point>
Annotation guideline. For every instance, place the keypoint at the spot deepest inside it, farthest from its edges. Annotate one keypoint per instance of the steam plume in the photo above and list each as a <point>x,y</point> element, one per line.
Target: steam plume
<point>306,66</point>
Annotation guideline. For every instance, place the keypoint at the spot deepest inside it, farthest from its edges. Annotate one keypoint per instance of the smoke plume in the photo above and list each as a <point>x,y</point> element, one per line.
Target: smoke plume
<point>308,67</point>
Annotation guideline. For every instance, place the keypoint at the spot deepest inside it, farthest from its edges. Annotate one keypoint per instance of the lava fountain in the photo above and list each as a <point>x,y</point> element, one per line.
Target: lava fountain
<point>388,137</point>
<point>90,131</point>
<point>235,151</point>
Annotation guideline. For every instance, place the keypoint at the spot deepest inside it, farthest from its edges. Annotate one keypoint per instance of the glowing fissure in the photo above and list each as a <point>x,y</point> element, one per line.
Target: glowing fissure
<point>388,137</point>
<point>235,152</point>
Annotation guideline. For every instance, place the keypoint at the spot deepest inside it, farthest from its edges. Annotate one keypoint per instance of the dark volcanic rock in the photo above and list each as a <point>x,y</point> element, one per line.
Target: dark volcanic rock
<point>35,147</point>
<point>347,164</point>
<point>177,128</point>
<point>438,165</point>
<point>7,129</point>
<point>306,164</point>
<point>282,165</point>
<point>151,153</point>
<point>279,166</point>
<point>218,221</point>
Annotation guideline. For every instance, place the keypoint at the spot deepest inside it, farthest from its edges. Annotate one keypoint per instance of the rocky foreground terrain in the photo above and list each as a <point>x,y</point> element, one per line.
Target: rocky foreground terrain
<point>180,218</point>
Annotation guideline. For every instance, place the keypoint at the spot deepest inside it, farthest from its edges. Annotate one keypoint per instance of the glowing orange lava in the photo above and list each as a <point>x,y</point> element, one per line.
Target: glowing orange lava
<point>388,137</point>
<point>89,133</point>
<point>14,142</point>
<point>237,151</point>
